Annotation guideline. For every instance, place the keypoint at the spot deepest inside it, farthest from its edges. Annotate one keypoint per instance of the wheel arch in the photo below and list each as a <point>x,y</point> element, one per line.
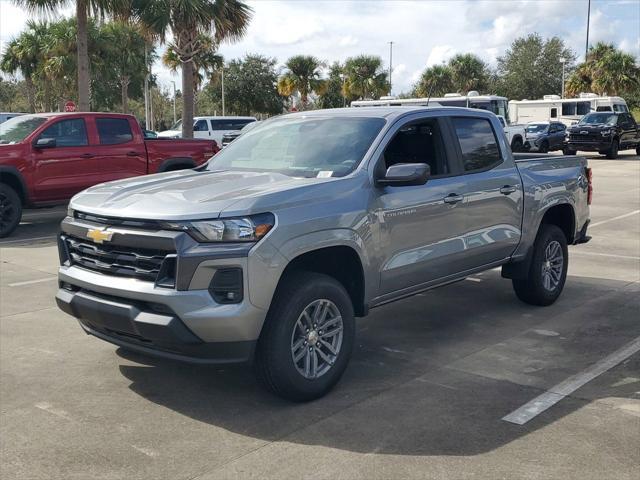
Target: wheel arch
<point>12,177</point>
<point>176,163</point>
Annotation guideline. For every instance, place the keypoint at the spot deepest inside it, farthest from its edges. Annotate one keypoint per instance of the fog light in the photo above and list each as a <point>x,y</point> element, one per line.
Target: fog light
<point>226,286</point>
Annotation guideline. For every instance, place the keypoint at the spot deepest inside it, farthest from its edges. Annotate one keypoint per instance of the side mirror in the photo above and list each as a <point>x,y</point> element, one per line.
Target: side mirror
<point>405,174</point>
<point>45,143</point>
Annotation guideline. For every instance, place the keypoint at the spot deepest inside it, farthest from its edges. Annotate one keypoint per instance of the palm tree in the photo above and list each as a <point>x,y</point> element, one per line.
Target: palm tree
<point>205,63</point>
<point>434,82</point>
<point>366,77</point>
<point>606,70</point>
<point>468,72</point>
<point>302,75</point>
<point>187,20</point>
<point>126,55</point>
<point>24,54</point>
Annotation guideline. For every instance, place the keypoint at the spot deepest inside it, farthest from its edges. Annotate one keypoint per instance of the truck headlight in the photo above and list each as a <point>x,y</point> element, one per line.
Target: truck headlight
<point>606,133</point>
<point>243,229</point>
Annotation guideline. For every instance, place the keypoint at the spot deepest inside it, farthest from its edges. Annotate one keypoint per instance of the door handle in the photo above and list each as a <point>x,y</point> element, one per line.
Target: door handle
<point>453,198</point>
<point>133,154</point>
<point>508,189</point>
<point>87,155</point>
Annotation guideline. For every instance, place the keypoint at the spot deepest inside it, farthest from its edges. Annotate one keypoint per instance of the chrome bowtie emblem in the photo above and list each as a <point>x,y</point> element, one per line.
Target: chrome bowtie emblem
<point>99,235</point>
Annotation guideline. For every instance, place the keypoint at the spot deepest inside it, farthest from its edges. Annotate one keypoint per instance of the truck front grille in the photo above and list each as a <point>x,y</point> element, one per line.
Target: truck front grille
<point>590,137</point>
<point>120,261</point>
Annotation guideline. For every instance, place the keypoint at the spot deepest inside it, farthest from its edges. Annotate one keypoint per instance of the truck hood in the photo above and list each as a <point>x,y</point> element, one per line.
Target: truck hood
<point>594,127</point>
<point>192,195</point>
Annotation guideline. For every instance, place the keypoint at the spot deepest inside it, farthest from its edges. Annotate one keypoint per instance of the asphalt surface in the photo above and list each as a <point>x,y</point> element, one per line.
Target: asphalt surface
<point>424,396</point>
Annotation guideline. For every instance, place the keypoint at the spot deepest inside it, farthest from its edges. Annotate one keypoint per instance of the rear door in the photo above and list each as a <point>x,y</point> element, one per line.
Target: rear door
<point>119,148</point>
<point>629,131</point>
<point>62,171</point>
<point>556,135</point>
<point>492,191</point>
<point>420,228</point>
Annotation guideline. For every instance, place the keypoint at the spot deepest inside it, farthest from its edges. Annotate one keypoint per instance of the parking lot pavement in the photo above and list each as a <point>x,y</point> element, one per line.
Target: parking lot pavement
<point>424,396</point>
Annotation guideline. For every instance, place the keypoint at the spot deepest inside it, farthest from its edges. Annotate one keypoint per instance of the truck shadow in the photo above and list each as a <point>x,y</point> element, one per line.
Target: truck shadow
<point>38,228</point>
<point>431,375</point>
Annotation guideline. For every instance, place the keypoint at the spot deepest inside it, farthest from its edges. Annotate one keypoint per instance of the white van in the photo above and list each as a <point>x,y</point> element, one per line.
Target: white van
<point>211,128</point>
<point>552,108</point>
<point>4,116</point>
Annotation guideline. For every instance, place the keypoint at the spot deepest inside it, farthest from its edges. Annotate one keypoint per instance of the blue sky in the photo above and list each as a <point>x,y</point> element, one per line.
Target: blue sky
<point>424,32</point>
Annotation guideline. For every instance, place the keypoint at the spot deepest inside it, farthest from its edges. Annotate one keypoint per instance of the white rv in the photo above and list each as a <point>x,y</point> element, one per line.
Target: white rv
<point>566,110</point>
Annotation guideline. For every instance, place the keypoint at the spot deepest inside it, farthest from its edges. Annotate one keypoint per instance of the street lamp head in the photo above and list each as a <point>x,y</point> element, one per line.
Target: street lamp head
<point>563,60</point>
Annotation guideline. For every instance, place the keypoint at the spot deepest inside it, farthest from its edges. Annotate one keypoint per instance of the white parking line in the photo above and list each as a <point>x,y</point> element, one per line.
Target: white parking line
<point>612,255</point>
<point>552,396</point>
<point>29,282</point>
<point>471,279</point>
<point>619,217</point>
<point>22,240</point>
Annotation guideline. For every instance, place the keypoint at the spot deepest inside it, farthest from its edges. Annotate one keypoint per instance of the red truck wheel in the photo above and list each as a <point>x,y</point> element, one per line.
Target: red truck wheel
<point>10,210</point>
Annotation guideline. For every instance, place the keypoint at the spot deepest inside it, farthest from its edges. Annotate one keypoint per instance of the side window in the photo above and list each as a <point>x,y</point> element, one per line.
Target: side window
<point>200,126</point>
<point>478,143</point>
<point>603,108</point>
<point>554,113</point>
<point>568,109</point>
<point>112,131</point>
<point>418,143</point>
<point>582,108</point>
<point>67,133</point>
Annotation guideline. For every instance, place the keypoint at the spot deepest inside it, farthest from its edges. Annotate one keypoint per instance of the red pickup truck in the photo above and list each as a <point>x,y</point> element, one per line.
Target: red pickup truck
<point>47,158</point>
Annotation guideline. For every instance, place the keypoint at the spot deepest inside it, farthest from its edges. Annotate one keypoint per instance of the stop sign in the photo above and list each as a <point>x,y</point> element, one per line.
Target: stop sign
<point>69,106</point>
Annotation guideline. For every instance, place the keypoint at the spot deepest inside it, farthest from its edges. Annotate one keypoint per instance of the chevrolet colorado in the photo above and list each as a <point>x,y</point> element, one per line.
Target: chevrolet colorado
<point>269,251</point>
<point>47,158</point>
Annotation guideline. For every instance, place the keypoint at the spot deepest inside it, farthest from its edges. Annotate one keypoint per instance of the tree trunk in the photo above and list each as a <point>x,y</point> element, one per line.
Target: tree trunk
<point>124,83</point>
<point>31,94</point>
<point>187,99</point>
<point>83,57</point>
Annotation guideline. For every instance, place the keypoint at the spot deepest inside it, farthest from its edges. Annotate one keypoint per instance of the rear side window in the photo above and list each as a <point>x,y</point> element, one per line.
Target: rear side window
<point>478,143</point>
<point>114,130</point>
<point>68,133</point>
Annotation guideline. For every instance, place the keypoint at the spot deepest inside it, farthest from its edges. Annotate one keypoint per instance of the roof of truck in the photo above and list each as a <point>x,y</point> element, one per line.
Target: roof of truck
<point>380,112</point>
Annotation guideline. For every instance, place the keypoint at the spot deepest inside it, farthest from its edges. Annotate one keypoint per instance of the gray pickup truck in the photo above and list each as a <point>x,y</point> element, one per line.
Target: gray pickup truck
<point>269,251</point>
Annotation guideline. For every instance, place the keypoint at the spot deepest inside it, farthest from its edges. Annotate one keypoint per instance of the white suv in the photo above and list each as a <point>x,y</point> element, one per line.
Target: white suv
<point>211,128</point>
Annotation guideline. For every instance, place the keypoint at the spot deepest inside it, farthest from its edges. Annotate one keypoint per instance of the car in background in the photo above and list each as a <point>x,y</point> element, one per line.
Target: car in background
<point>544,137</point>
<point>605,133</point>
<point>47,158</point>
<point>4,116</point>
<point>515,134</point>
<point>227,138</point>
<point>212,128</point>
<point>149,134</point>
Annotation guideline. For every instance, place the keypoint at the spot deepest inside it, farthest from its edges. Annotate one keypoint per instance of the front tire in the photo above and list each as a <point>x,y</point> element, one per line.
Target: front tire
<point>516,145</point>
<point>568,151</point>
<point>548,269</point>
<point>10,210</point>
<point>544,147</point>
<point>612,153</point>
<point>307,338</point>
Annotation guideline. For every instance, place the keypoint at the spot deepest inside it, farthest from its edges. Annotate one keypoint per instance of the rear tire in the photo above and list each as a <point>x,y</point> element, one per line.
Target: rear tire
<point>568,151</point>
<point>292,331</point>
<point>612,153</point>
<point>516,145</point>
<point>10,210</point>
<point>548,270</point>
<point>544,147</point>
<point>637,150</point>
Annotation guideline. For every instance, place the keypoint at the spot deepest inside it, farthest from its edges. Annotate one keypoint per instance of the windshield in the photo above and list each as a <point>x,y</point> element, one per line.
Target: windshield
<point>599,118</point>
<point>18,128</point>
<point>537,127</point>
<point>177,125</point>
<point>301,147</point>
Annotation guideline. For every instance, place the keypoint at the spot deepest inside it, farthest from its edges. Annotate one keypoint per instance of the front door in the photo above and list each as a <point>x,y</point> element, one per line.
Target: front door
<point>68,167</point>
<point>420,228</point>
<point>493,193</point>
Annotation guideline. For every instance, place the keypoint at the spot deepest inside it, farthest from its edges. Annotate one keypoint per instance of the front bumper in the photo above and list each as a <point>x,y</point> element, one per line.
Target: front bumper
<point>136,326</point>
<point>182,321</point>
<point>590,146</point>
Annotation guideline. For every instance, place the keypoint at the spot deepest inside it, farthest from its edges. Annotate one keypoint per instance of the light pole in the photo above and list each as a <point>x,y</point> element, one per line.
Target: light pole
<point>586,48</point>
<point>343,77</point>
<point>222,81</point>
<point>562,61</point>
<point>174,102</point>
<point>390,64</point>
